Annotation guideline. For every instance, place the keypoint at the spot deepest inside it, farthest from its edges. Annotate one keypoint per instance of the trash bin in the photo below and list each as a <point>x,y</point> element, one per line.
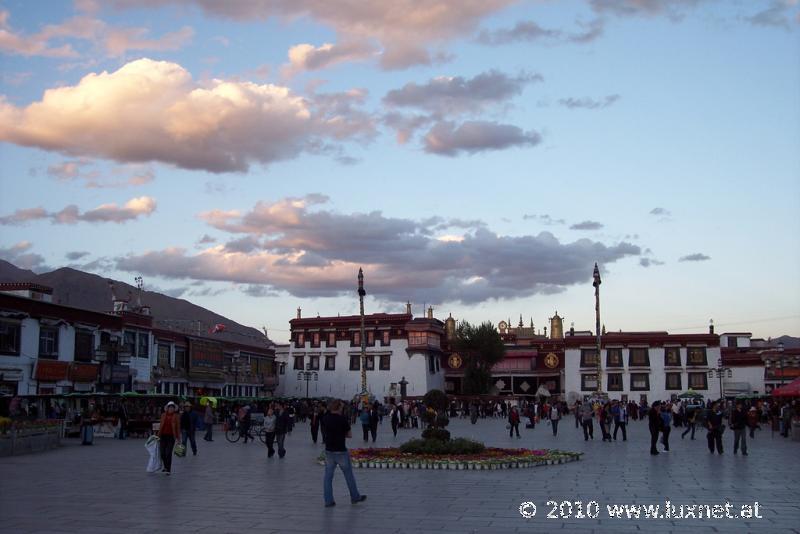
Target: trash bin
<point>795,430</point>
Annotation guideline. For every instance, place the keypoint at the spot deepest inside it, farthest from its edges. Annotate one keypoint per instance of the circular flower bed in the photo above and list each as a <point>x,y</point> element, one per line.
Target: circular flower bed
<point>491,458</point>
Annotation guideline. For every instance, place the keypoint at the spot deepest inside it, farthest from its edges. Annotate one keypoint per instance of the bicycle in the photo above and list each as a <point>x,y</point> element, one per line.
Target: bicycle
<point>233,433</point>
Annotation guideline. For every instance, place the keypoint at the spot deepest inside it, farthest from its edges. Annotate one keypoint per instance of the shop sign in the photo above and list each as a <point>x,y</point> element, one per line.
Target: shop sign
<point>205,358</point>
<point>47,371</point>
<point>83,372</point>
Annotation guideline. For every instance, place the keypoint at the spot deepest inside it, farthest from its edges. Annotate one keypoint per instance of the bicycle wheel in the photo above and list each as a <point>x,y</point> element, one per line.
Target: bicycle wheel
<point>232,434</point>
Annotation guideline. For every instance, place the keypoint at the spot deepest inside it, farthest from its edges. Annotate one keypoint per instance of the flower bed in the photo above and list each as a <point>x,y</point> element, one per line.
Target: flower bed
<point>491,458</point>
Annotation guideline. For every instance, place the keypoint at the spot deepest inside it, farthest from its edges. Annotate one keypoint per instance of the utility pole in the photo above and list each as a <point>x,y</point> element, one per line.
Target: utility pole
<point>596,284</point>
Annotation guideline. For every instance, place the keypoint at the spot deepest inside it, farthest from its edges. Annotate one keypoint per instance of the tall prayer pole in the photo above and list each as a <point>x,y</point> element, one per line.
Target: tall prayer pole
<point>596,285</point>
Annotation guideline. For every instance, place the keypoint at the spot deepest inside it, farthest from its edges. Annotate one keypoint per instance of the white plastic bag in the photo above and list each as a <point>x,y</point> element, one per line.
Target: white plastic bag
<point>154,463</point>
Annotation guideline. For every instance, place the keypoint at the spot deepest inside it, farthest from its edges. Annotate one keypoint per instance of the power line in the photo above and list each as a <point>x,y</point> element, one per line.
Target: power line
<point>766,320</point>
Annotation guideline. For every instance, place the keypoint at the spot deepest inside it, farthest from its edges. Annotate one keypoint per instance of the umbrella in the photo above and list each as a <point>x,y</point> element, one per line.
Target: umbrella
<point>208,400</point>
<point>542,391</point>
<point>690,394</point>
<point>130,394</point>
<point>791,389</point>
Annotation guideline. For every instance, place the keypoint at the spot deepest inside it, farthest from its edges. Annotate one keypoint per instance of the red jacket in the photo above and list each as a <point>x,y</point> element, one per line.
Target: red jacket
<point>170,428</point>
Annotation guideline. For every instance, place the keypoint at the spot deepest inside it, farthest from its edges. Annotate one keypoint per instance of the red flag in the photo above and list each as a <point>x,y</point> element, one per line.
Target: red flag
<point>219,327</point>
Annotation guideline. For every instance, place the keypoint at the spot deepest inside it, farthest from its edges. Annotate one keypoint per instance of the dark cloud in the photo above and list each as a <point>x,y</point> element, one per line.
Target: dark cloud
<point>671,8</point>
<point>588,103</point>
<point>697,256</point>
<point>454,94</point>
<point>529,31</point>
<point>244,244</point>
<point>20,255</point>
<point>647,262</point>
<point>308,251</point>
<point>206,239</point>
<point>447,139</point>
<point>779,14</point>
<point>73,256</point>
<point>543,218</point>
<point>586,225</point>
<point>660,211</point>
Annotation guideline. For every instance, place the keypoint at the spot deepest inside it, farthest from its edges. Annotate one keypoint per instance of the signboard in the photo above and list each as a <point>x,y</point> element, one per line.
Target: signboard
<point>50,371</point>
<point>83,372</point>
<point>205,358</point>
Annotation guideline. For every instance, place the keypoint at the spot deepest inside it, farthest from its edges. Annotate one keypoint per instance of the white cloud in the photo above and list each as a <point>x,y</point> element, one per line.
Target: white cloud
<point>307,57</point>
<point>218,126</point>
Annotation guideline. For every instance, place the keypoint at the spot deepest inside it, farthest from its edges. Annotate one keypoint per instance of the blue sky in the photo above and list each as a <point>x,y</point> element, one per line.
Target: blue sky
<point>476,156</point>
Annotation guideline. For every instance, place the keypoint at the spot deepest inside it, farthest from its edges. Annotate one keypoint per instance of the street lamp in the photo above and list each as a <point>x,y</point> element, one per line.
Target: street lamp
<point>308,375</point>
<point>720,371</point>
<point>361,294</point>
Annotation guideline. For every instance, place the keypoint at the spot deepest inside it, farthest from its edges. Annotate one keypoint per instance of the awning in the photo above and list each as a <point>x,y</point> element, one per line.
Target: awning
<point>11,374</point>
<point>83,372</point>
<point>48,371</point>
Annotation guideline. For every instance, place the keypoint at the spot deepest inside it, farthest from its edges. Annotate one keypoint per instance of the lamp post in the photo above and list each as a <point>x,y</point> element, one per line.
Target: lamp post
<point>361,294</point>
<point>596,283</point>
<point>721,371</point>
<point>308,375</point>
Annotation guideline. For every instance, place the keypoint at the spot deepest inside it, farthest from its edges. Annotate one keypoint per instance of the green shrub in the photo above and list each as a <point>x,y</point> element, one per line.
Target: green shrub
<point>436,399</point>
<point>436,446</point>
<point>436,433</point>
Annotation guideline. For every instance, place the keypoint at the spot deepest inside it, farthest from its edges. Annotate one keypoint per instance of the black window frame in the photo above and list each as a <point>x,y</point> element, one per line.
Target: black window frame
<point>299,340</point>
<point>610,387</point>
<point>159,355</point>
<point>370,338</point>
<point>331,337</point>
<point>733,341</point>
<point>316,339</point>
<point>369,362</point>
<point>129,342</point>
<point>181,358</point>
<point>80,354</point>
<point>143,342</point>
<point>584,377</point>
<point>355,339</point>
<point>673,350</point>
<point>355,362</point>
<point>53,354</point>
<point>385,362</point>
<point>13,346</point>
<point>705,380</point>
<point>313,362</point>
<point>673,388</point>
<point>636,375</point>
<point>691,350</point>
<point>646,357</point>
<point>386,338</point>
<point>301,358</point>
<point>586,360</point>
<point>330,363</point>
<point>617,352</point>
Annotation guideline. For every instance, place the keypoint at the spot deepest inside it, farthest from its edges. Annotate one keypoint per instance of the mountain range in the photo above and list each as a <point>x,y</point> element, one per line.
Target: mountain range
<point>80,289</point>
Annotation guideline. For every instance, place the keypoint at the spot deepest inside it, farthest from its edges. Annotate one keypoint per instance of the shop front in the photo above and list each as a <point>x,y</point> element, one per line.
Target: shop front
<point>83,377</point>
<point>10,378</point>
<point>50,376</point>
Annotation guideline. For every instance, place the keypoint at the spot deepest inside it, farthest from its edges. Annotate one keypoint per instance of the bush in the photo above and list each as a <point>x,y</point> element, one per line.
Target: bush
<point>436,446</point>
<point>436,399</point>
<point>436,433</point>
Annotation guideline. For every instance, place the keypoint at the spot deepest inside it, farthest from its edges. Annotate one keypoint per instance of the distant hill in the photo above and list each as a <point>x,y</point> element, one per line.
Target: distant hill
<point>789,342</point>
<point>79,289</point>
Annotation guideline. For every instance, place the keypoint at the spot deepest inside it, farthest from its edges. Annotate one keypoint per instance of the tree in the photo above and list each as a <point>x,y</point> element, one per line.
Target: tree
<point>481,348</point>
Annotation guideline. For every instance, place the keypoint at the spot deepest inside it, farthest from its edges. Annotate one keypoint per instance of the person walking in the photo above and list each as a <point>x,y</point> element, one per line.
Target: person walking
<point>739,427</point>
<point>337,430</point>
<point>394,416</point>
<point>363,417</point>
<point>620,414</point>
<point>587,413</point>
<point>691,422</point>
<point>269,431</point>
<point>169,430</point>
<point>604,416</point>
<point>555,417</point>
<point>282,425</point>
<point>246,421</point>
<point>374,419</point>
<point>314,424</point>
<point>88,418</point>
<point>577,414</point>
<point>189,420</point>
<point>752,421</point>
<point>473,412</point>
<point>123,420</point>
<point>654,423</point>
<point>666,417</point>
<point>208,420</point>
<point>513,422</point>
<point>714,424</point>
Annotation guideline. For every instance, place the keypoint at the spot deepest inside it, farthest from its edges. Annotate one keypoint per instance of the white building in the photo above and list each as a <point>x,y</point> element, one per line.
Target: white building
<point>399,348</point>
<point>637,366</point>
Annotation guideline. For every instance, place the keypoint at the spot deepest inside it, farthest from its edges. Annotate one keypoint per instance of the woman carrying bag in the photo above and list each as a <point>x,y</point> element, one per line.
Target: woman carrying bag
<point>169,430</point>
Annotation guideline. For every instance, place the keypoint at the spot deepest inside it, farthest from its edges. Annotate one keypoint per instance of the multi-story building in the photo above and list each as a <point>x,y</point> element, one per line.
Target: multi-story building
<point>402,353</point>
<point>756,365</point>
<point>51,348</point>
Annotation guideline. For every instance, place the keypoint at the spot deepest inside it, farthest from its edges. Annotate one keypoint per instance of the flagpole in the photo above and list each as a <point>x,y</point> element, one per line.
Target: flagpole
<point>596,284</point>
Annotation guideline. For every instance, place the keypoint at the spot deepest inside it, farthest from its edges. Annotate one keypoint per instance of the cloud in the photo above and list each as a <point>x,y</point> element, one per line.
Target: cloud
<point>671,8</point>
<point>529,31</point>
<point>406,30</point>
<point>309,251</point>
<point>660,211</point>
<point>73,256</point>
<point>455,94</point>
<point>586,225</point>
<point>114,41</point>
<point>78,170</point>
<point>306,57</point>
<point>131,210</point>
<point>153,111</point>
<point>206,239</point>
<point>447,139</point>
<point>698,256</point>
<point>545,219</point>
<point>779,14</point>
<point>588,103</point>
<point>19,254</point>
<point>647,262</point>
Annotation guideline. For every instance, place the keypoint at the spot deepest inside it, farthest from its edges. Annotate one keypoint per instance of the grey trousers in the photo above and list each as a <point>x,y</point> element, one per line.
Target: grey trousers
<point>740,435</point>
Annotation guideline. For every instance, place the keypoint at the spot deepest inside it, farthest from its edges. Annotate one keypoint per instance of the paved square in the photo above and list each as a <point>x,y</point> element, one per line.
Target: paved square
<point>235,488</point>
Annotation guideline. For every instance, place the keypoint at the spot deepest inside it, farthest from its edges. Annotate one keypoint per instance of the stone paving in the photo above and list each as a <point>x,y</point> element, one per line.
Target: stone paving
<point>235,488</point>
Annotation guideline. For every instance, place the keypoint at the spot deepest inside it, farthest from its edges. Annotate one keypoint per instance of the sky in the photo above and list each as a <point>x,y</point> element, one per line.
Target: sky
<point>477,156</point>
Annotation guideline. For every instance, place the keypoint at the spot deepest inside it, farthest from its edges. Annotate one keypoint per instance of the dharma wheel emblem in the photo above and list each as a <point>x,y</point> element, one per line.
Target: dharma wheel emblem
<point>455,361</point>
<point>551,360</point>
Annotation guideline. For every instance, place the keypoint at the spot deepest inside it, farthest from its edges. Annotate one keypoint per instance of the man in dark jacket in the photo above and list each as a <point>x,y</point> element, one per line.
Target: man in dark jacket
<point>374,417</point>
<point>739,427</point>
<point>714,424</point>
<point>189,419</point>
<point>655,424</point>
<point>282,425</point>
<point>315,415</point>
